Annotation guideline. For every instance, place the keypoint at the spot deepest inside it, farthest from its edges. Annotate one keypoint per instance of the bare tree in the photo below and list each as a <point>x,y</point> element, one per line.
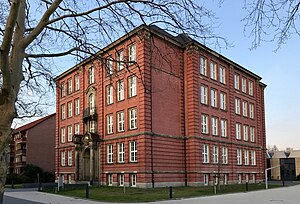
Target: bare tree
<point>33,32</point>
<point>272,20</point>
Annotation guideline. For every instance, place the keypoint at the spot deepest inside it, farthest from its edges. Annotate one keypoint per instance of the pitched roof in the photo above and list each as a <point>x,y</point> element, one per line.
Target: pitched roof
<point>32,124</point>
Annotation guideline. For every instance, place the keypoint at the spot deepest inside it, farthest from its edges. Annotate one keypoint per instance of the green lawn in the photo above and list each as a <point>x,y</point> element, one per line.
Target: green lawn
<point>116,194</point>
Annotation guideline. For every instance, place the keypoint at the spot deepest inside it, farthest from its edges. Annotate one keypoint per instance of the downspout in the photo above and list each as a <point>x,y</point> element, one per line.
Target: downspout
<point>152,162</point>
<point>184,126</point>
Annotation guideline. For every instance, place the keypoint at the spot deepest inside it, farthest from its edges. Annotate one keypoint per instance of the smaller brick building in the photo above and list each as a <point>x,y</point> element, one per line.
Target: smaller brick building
<point>34,144</point>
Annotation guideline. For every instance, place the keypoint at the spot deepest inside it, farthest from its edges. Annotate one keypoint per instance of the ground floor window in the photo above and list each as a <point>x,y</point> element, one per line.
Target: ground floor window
<point>239,178</point>
<point>133,180</point>
<point>109,179</point>
<point>206,179</point>
<point>247,178</point>
<point>253,178</point>
<point>121,179</point>
<point>225,179</point>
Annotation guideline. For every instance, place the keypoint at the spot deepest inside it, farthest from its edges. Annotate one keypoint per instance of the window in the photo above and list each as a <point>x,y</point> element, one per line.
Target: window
<point>204,124</point>
<point>253,178</point>
<point>77,82</point>
<point>92,104</point>
<point>203,94</point>
<point>203,64</point>
<point>120,90</point>
<point>109,66</point>
<point>70,158</point>
<point>121,152</point>
<point>238,131</point>
<point>109,124</point>
<point>253,158</point>
<point>222,75</point>
<point>63,158</point>
<point>133,151</point>
<point>121,179</point>
<point>246,157</point>
<point>91,75</point>
<point>251,110</point>
<point>247,178</point>
<point>205,153</point>
<point>63,111</point>
<point>250,88</point>
<point>110,153</point>
<point>77,106</point>
<point>222,101</point>
<point>63,89</point>
<point>70,109</point>
<point>213,70</point>
<point>121,122</point>
<point>132,118</point>
<point>224,155</point>
<point>214,126</point>
<point>92,126</point>
<point>244,85</point>
<point>245,129</point>
<point>225,179</point>
<point>237,106</point>
<point>69,133</point>
<point>223,128</point>
<point>213,98</point>
<point>120,60</point>
<point>215,154</point>
<point>63,135</point>
<point>109,179</point>
<point>237,82</point>
<point>109,94</point>
<point>70,86</point>
<point>239,156</point>
<point>133,180</point>
<point>132,86</point>
<point>245,108</point>
<point>240,178</point>
<point>76,129</point>
<point>252,134</point>
<point>131,54</point>
<point>206,179</point>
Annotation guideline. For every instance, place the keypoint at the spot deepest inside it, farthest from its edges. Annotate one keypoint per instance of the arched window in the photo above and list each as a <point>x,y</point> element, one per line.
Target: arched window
<point>92,103</point>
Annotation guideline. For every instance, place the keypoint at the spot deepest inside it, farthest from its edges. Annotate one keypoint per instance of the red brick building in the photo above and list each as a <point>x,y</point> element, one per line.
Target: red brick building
<point>33,143</point>
<point>158,110</point>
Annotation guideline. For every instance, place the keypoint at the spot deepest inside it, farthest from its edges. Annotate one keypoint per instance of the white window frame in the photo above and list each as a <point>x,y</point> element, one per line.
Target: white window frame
<point>120,90</point>
<point>133,180</point>
<point>237,106</point>
<point>70,158</point>
<point>250,88</point>
<point>213,70</point>
<point>121,121</point>
<point>214,126</point>
<point>132,118</point>
<point>251,110</point>
<point>204,124</point>
<point>204,94</point>
<point>109,94</point>
<point>109,153</point>
<point>253,158</point>
<point>92,126</point>
<point>63,135</point>
<point>206,179</point>
<point>222,101</point>
<point>120,60</point>
<point>238,134</point>
<point>203,66</point>
<point>70,85</point>
<point>213,98</point>
<point>132,53</point>
<point>109,124</point>
<point>252,134</point>
<point>77,129</point>
<point>121,179</point>
<point>223,128</point>
<point>246,157</point>
<point>133,151</point>
<point>239,157</point>
<point>77,106</point>
<point>215,154</point>
<point>109,66</point>
<point>222,74</point>
<point>63,89</point>
<point>91,75</point>
<point>92,103</point>
<point>63,111</point>
<point>246,132</point>
<point>237,81</point>
<point>110,179</point>
<point>132,86</point>
<point>240,177</point>
<point>121,152</point>
<point>205,153</point>
<point>77,82</point>
<point>70,133</point>
<point>244,85</point>
<point>225,179</point>
<point>224,155</point>
<point>63,158</point>
<point>245,108</point>
<point>70,109</point>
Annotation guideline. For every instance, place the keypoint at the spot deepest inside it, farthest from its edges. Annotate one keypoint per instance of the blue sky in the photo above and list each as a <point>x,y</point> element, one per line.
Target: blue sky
<point>280,71</point>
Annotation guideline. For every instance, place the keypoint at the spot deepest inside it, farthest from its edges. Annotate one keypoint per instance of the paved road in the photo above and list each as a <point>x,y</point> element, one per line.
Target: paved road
<point>287,195</point>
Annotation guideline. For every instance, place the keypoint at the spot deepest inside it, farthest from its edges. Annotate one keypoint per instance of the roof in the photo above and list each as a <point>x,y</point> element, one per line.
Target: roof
<point>181,40</point>
<point>32,124</point>
<point>281,154</point>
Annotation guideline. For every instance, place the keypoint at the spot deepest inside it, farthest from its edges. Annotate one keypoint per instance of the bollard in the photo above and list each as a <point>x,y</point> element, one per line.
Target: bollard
<point>170,192</point>
<point>247,187</point>
<point>87,191</point>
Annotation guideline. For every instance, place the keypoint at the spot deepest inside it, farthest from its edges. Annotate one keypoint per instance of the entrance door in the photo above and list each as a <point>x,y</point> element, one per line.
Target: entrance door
<point>86,163</point>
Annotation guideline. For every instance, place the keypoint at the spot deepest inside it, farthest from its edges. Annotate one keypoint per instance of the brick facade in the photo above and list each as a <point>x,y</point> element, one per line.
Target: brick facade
<point>150,133</point>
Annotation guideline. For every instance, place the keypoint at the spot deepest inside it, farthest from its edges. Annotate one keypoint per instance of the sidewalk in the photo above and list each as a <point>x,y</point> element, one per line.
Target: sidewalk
<point>286,195</point>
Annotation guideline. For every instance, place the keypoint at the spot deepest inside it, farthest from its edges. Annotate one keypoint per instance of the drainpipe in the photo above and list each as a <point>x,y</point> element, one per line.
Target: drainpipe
<point>184,127</point>
<point>152,165</point>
